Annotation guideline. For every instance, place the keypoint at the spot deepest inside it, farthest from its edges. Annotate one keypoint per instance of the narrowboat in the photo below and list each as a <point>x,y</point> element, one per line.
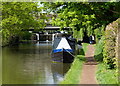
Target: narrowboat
<point>63,49</point>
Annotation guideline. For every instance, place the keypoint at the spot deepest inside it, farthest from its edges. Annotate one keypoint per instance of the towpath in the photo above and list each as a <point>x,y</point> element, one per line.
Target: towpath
<point>89,68</point>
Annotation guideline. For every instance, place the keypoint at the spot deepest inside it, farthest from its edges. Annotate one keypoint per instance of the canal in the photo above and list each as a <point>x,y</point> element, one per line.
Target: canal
<point>31,63</point>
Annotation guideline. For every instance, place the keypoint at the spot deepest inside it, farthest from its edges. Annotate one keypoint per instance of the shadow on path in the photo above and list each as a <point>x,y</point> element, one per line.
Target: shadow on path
<point>89,68</point>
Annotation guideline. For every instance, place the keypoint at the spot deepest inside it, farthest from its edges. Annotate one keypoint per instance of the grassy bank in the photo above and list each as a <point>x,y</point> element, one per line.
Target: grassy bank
<point>74,73</point>
<point>106,76</point>
<point>72,76</point>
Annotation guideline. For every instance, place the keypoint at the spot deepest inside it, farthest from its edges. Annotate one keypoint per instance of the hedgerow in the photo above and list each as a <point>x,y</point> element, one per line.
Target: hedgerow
<point>110,45</point>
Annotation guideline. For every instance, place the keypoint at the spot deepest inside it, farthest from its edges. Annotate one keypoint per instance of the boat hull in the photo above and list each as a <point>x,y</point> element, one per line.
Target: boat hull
<point>63,56</point>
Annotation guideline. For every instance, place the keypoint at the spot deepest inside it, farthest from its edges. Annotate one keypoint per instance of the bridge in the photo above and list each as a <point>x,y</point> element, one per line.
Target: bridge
<point>48,33</point>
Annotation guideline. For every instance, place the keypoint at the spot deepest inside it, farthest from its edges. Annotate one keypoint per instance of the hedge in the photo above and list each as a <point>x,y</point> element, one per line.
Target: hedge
<point>110,45</point>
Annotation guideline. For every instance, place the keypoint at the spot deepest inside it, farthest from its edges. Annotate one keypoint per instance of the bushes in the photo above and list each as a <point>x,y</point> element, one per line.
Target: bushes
<point>99,50</point>
<point>99,32</point>
<point>106,47</point>
<point>5,35</point>
<point>99,37</point>
<point>26,35</point>
<point>109,51</point>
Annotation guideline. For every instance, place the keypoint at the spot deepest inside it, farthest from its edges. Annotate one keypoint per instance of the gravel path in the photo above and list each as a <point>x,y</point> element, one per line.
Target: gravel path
<point>89,68</point>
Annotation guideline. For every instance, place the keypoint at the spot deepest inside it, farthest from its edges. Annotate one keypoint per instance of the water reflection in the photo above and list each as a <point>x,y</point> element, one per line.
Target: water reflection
<point>31,63</point>
<point>59,70</point>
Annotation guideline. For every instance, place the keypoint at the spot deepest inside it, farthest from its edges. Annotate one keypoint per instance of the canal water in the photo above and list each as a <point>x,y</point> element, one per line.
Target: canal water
<point>31,63</point>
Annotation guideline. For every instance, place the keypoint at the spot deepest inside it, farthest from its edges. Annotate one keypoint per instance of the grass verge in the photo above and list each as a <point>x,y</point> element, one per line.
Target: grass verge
<point>74,73</point>
<point>106,76</point>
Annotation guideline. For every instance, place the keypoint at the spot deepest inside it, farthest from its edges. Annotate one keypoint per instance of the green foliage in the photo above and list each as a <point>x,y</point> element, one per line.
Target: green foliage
<point>89,30</point>
<point>26,35</point>
<point>99,50</point>
<point>110,46</point>
<point>99,32</point>
<point>81,33</point>
<point>106,76</point>
<point>5,36</point>
<point>78,34</point>
<point>83,16</point>
<point>75,33</point>
<point>107,72</point>
<point>18,16</point>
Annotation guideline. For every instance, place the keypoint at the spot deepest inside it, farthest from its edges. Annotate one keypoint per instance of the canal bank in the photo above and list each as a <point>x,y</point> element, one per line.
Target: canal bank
<point>74,73</point>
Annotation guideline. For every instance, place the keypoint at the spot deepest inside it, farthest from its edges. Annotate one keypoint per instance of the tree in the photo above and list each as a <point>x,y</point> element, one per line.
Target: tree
<point>18,16</point>
<point>83,16</point>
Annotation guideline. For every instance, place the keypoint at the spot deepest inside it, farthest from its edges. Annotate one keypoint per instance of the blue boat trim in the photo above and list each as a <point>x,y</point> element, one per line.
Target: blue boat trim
<point>60,50</point>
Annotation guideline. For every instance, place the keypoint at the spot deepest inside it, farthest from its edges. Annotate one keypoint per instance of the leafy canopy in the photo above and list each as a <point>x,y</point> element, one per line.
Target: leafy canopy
<point>18,16</point>
<point>83,16</point>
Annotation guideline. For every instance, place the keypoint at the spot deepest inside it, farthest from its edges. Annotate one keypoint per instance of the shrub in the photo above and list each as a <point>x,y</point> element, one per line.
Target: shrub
<point>99,50</point>
<point>109,51</point>
<point>98,33</point>
<point>25,35</point>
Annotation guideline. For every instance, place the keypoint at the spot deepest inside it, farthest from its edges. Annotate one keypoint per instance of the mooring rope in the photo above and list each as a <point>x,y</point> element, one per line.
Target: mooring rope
<point>69,52</point>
